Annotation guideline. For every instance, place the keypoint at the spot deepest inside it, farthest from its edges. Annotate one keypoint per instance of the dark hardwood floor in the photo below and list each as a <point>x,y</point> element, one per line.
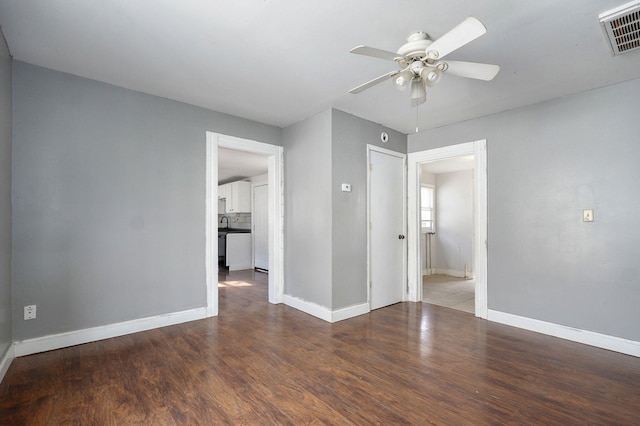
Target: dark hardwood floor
<point>257,363</point>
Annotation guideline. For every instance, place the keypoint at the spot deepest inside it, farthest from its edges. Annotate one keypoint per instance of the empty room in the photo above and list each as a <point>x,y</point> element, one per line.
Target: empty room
<point>319,212</point>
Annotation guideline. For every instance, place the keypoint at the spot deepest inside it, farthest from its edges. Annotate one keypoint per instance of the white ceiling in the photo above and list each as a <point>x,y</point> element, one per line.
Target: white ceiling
<point>236,165</point>
<point>281,61</point>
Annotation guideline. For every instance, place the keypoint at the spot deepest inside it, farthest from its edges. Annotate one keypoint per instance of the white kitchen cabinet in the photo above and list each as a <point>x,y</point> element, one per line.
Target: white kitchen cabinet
<point>222,191</point>
<point>239,253</point>
<point>238,197</point>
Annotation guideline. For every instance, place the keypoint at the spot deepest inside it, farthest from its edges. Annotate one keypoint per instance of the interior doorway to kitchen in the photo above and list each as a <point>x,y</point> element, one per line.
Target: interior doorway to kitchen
<point>275,226</point>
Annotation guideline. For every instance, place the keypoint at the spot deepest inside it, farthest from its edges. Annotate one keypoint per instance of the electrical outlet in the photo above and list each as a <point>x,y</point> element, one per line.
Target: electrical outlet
<point>587,215</point>
<point>30,312</point>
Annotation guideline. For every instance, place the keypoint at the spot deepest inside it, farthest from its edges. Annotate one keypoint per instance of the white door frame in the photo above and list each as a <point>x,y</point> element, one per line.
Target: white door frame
<point>404,218</point>
<point>276,222</point>
<point>479,150</point>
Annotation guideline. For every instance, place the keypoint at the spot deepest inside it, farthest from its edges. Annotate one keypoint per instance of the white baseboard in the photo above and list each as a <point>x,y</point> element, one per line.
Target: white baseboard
<point>350,312</point>
<point>612,343</point>
<point>72,338</point>
<point>323,312</point>
<point>240,267</point>
<point>449,272</point>
<point>5,361</point>
<point>453,273</point>
<point>310,308</point>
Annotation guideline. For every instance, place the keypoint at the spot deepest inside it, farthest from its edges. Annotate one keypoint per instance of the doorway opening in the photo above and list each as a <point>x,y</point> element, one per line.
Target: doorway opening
<point>275,194</point>
<point>239,173</point>
<point>446,233</point>
<point>464,255</point>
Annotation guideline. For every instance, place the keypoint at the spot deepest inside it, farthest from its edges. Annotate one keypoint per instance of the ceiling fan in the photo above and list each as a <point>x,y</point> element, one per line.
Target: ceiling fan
<point>421,60</point>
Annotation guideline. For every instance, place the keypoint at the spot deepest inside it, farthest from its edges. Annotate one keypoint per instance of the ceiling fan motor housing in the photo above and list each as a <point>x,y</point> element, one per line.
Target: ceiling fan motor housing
<point>416,45</point>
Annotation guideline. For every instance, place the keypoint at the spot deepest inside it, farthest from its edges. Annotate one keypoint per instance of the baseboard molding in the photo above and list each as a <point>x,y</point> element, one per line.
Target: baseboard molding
<point>448,272</point>
<point>5,361</point>
<point>323,312</point>
<point>310,308</point>
<point>350,312</point>
<point>78,337</point>
<point>240,267</point>
<point>453,273</point>
<point>612,343</point>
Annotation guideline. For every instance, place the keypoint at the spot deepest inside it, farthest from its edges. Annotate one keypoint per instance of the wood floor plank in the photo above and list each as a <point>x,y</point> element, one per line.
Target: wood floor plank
<point>256,363</point>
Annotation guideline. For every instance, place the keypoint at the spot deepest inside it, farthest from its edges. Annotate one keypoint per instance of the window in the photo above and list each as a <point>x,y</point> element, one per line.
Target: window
<point>427,219</point>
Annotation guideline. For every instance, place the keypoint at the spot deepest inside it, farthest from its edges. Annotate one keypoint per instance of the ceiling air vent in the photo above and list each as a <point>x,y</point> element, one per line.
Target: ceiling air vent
<point>622,27</point>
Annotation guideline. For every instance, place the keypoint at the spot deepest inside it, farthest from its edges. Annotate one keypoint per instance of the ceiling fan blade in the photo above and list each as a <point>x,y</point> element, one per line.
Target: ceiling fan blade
<point>375,53</point>
<point>467,31</point>
<point>373,82</point>
<point>475,70</point>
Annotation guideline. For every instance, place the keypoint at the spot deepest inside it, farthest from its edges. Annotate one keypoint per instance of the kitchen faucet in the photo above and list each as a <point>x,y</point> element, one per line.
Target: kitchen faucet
<point>225,217</point>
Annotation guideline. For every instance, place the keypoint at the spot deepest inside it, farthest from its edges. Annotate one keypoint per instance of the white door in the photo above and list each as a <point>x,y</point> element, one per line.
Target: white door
<point>261,227</point>
<point>387,243</point>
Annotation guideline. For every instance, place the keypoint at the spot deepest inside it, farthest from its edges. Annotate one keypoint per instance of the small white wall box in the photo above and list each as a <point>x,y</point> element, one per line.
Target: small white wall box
<point>346,187</point>
<point>29,312</point>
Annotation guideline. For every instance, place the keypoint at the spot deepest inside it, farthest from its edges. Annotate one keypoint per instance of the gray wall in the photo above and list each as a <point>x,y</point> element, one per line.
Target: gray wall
<point>5,196</point>
<point>350,136</point>
<point>109,201</point>
<point>454,221</point>
<point>307,171</point>
<point>546,163</point>
<point>325,228</point>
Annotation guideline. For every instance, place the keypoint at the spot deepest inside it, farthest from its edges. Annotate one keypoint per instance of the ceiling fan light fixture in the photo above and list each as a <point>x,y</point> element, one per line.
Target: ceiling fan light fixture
<point>431,76</point>
<point>402,80</point>
<point>418,92</point>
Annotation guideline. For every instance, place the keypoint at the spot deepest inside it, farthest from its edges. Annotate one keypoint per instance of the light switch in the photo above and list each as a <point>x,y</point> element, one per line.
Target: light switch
<point>587,215</point>
<point>346,187</point>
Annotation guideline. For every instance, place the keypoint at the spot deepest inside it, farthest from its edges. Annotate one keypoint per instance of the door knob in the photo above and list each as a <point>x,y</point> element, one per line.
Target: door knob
<point>401,237</point>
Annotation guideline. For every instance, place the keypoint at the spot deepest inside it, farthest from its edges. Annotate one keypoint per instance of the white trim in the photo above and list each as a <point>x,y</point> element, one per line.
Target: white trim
<point>276,220</point>
<point>480,227</point>
<point>451,273</point>
<point>371,148</point>
<point>276,226</point>
<point>478,149</point>
<point>78,337</point>
<point>310,308</point>
<point>325,313</point>
<point>211,225</point>
<point>5,361</point>
<point>350,312</point>
<point>612,343</point>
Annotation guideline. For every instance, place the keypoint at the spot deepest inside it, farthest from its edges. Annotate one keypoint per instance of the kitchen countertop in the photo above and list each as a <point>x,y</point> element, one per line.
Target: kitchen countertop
<point>233,231</point>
